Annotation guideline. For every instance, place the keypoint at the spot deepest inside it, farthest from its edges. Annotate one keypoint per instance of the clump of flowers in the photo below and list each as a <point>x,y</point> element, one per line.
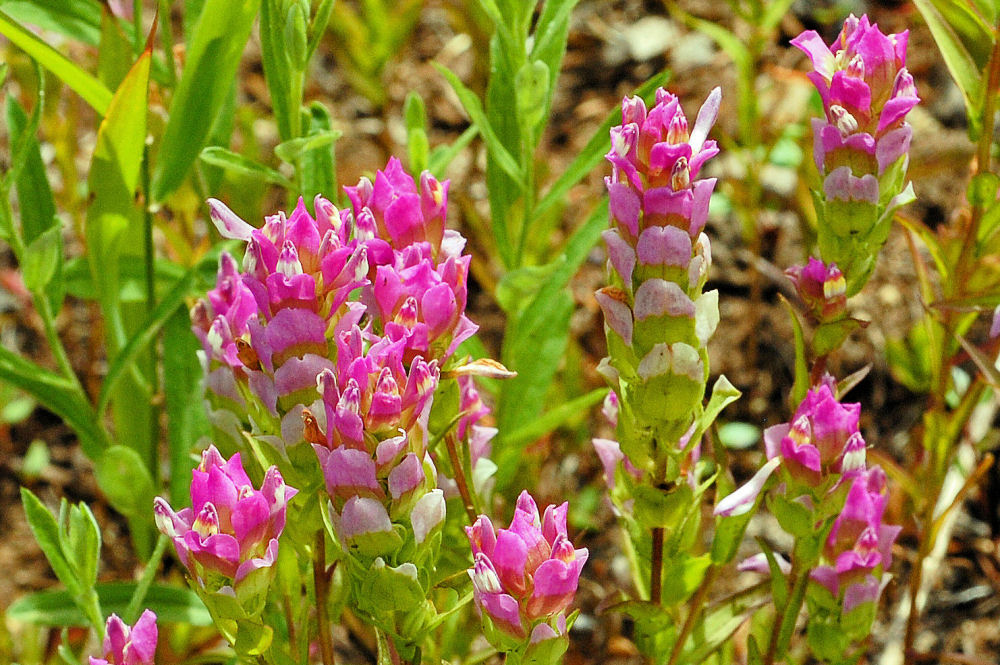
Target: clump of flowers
<point>129,645</point>
<point>231,529</point>
<point>658,321</point>
<point>861,145</point>
<point>524,577</point>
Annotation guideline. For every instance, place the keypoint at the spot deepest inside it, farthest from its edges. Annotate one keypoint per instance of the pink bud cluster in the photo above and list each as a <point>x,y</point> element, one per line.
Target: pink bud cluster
<point>821,287</point>
<point>658,321</point>
<point>861,143</point>
<point>820,453</point>
<point>334,331</point>
<point>866,92</point>
<point>524,577</point>
<point>129,645</point>
<point>231,529</point>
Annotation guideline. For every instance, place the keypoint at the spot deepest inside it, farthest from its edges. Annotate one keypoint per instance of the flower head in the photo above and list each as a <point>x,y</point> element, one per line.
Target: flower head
<point>129,645</point>
<point>231,529</point>
<point>527,573</point>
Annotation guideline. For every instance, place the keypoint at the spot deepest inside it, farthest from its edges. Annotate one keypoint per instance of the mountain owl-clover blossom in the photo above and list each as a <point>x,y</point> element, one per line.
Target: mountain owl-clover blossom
<point>129,645</point>
<point>657,319</point>
<point>861,145</point>
<point>231,529</point>
<point>524,577</point>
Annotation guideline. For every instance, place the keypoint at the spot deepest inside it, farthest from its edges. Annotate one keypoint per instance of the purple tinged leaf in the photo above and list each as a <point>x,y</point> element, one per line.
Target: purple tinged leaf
<point>227,222</point>
<point>742,499</point>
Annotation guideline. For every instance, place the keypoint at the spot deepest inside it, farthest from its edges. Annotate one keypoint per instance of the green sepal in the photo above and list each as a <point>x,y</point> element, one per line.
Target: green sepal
<point>385,589</point>
<point>546,652</point>
<point>661,508</point>
<point>793,517</point>
<point>829,336</point>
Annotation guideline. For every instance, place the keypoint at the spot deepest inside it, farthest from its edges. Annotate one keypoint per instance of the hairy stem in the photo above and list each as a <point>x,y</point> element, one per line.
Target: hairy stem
<point>656,566</point>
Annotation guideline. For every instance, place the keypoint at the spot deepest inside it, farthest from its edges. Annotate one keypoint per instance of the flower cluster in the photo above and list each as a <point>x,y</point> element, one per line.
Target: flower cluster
<point>658,321</point>
<point>821,457</point>
<point>334,332</point>
<point>129,645</point>
<point>231,529</point>
<point>861,144</point>
<point>524,577</point>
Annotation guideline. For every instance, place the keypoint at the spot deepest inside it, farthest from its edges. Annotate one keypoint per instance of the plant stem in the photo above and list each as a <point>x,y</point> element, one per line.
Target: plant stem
<point>460,477</point>
<point>656,566</point>
<point>148,574</point>
<point>697,603</point>
<point>321,578</point>
<point>779,639</point>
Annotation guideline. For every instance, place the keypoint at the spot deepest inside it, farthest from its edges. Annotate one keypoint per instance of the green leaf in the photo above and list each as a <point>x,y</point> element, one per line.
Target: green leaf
<point>46,530</point>
<point>828,337</point>
<point>474,108</point>
<point>237,163</point>
<point>186,418</point>
<point>965,44</point>
<point>122,476</point>
<point>83,543</point>
<point>82,83</point>
<point>416,131</point>
<point>655,507</point>
<point>58,395</point>
<point>321,17</point>
<point>37,207</point>
<point>318,165</point>
<point>682,576</point>
<point>78,19</point>
<point>55,608</point>
<point>793,517</point>
<point>553,418</point>
<point>593,153</point>
<point>774,11</point>
<point>212,57</point>
<point>443,155</point>
<point>41,259</point>
<point>114,57</point>
<point>729,536</point>
<point>720,622</point>
<point>113,180</point>
<point>801,384</point>
<point>289,151</point>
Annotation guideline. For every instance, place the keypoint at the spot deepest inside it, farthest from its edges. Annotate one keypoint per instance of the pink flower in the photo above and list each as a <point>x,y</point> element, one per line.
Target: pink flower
<point>125,645</point>
<point>231,529</point>
<point>821,287</point>
<point>527,573</point>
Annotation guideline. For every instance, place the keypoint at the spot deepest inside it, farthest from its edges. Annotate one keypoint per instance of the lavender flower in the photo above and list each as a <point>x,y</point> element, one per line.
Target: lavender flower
<point>861,145</point>
<point>231,529</point>
<point>129,645</point>
<point>527,574</point>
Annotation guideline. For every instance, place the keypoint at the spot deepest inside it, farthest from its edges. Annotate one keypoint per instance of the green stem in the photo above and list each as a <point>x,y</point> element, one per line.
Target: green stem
<point>321,578</point>
<point>656,566</point>
<point>782,632</point>
<point>148,574</point>
<point>461,478</point>
<point>697,604</point>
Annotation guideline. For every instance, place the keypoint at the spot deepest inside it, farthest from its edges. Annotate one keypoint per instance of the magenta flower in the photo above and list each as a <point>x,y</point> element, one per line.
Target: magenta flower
<point>821,287</point>
<point>528,573</point>
<point>820,445</point>
<point>859,547</point>
<point>861,145</point>
<point>125,645</point>
<point>231,529</point>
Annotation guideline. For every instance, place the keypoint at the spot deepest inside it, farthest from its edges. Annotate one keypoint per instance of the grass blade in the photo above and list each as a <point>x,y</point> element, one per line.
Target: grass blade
<point>80,81</point>
<point>212,57</point>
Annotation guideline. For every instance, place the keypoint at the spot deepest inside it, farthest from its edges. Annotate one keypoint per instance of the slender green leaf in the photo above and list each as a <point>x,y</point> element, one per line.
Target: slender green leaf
<point>78,19</point>
<point>81,82</point>
<point>593,153</point>
<point>774,11</point>
<point>318,164</point>
<point>801,384</point>
<point>122,476</point>
<point>212,57</point>
<point>148,331</point>
<point>442,155</point>
<point>172,604</point>
<point>289,151</point>
<point>237,163</point>
<point>720,622</point>
<point>954,49</point>
<point>41,259</point>
<point>114,57</point>
<point>321,17</point>
<point>57,395</point>
<point>46,530</point>
<point>34,195</point>
<point>552,419</point>
<point>186,418</point>
<point>277,69</point>
<point>474,108</point>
